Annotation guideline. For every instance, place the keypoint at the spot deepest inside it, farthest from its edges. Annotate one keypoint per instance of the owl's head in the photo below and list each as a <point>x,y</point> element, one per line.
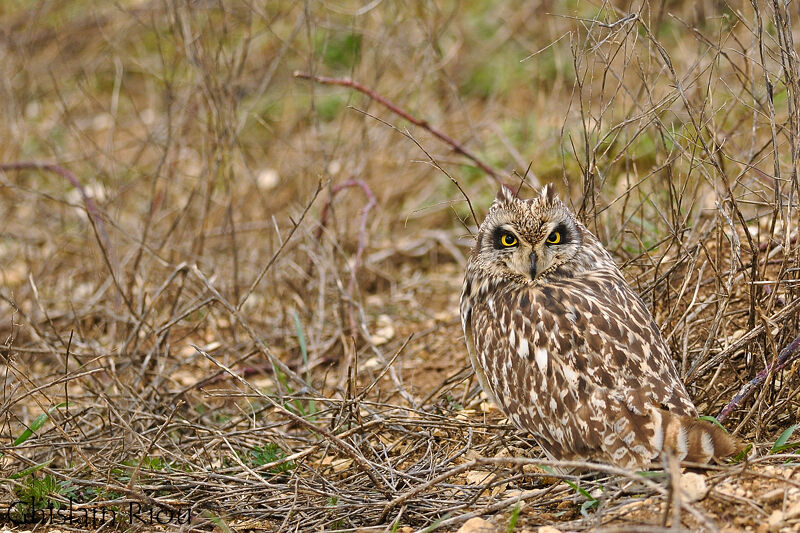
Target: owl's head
<point>527,238</point>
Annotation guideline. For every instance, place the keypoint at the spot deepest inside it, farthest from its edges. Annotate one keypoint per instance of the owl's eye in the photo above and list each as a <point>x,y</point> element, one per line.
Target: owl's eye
<point>508,240</point>
<point>554,238</point>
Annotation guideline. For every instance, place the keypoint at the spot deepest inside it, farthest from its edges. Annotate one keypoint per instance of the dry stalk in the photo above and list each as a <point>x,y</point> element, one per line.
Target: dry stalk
<point>457,147</point>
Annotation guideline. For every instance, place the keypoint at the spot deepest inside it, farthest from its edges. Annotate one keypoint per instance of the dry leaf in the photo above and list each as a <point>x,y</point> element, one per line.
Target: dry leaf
<point>478,477</point>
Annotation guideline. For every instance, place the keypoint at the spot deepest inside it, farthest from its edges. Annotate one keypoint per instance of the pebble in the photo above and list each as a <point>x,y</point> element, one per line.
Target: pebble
<point>477,525</point>
<point>548,529</point>
<point>693,486</point>
<point>775,520</point>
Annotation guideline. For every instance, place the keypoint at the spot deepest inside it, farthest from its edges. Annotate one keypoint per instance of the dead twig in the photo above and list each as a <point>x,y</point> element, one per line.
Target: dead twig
<point>91,208</point>
<point>346,82</point>
<point>786,356</point>
<point>362,231</point>
<point>337,442</point>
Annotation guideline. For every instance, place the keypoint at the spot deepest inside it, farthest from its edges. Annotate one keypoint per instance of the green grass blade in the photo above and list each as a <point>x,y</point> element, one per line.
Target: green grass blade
<point>218,521</point>
<point>784,438</point>
<point>37,423</point>
<point>713,420</point>
<point>435,525</point>
<point>30,470</point>
<point>742,455</point>
<point>588,504</point>
<point>512,522</point>
<point>786,447</point>
<point>301,338</point>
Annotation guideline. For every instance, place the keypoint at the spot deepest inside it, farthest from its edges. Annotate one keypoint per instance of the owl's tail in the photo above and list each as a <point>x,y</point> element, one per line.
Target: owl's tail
<point>694,440</point>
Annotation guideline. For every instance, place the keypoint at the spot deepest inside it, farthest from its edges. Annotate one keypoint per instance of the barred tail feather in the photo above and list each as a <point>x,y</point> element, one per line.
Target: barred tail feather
<point>694,440</point>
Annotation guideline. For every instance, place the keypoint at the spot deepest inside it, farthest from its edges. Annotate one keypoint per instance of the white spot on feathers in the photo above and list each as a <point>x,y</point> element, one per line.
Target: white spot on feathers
<point>571,376</point>
<point>522,349</point>
<point>541,359</point>
<point>707,443</point>
<point>683,443</point>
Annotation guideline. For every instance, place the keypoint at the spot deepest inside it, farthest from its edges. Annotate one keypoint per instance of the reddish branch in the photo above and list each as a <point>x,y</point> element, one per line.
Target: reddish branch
<point>786,356</point>
<point>347,82</point>
<point>362,236</point>
<point>362,231</point>
<point>769,244</point>
<point>91,207</point>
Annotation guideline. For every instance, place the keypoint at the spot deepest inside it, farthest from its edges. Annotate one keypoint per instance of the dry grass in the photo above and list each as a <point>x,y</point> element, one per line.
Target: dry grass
<point>257,320</point>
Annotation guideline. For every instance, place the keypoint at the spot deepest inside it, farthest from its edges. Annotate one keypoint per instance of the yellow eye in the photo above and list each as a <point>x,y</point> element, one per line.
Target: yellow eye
<point>508,240</point>
<point>554,238</point>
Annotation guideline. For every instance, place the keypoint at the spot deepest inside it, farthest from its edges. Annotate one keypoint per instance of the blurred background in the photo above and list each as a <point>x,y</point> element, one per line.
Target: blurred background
<point>310,240</point>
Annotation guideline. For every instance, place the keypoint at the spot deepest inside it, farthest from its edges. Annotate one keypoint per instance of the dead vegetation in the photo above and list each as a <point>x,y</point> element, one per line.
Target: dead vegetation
<point>246,309</point>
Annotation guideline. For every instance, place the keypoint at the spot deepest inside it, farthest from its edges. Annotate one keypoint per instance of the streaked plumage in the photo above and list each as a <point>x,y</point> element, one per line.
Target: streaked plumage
<point>563,345</point>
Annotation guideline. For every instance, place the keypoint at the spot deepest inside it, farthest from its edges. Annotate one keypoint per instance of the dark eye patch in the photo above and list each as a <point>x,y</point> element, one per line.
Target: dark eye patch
<point>564,232</point>
<point>497,237</point>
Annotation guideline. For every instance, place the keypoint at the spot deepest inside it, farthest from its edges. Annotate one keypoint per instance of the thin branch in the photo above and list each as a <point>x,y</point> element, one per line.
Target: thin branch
<point>362,230</point>
<point>337,442</point>
<point>787,355</point>
<point>88,202</point>
<point>346,82</point>
<point>362,234</point>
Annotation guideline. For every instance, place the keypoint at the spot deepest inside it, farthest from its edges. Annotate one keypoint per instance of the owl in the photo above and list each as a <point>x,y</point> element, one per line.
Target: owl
<point>567,350</point>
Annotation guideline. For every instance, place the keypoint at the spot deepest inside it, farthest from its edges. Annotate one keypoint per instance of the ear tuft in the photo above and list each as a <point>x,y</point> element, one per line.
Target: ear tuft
<point>504,196</point>
<point>548,195</point>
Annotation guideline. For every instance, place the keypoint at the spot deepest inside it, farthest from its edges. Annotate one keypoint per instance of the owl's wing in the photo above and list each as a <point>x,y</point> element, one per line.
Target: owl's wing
<point>612,332</point>
<point>469,337</point>
<point>580,364</point>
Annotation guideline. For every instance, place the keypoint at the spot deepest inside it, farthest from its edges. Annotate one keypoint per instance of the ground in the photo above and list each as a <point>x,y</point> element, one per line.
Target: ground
<point>233,236</point>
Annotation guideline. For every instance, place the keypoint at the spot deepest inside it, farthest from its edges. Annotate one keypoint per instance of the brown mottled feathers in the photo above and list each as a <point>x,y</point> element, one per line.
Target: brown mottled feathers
<point>562,344</point>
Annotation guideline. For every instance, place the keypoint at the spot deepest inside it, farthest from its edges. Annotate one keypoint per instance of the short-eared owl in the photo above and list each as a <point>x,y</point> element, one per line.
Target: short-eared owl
<point>563,345</point>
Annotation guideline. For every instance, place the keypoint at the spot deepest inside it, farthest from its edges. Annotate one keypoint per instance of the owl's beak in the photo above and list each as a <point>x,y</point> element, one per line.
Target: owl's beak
<point>533,264</point>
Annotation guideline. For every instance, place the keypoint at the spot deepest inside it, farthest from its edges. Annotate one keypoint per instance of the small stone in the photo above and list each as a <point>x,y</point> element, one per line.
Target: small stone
<point>148,116</point>
<point>334,167</point>
<point>477,525</point>
<point>267,178</point>
<point>548,529</point>
<point>793,511</point>
<point>385,331</point>
<point>693,486</point>
<point>773,496</point>
<point>102,121</point>
<point>775,520</point>
<point>31,111</point>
